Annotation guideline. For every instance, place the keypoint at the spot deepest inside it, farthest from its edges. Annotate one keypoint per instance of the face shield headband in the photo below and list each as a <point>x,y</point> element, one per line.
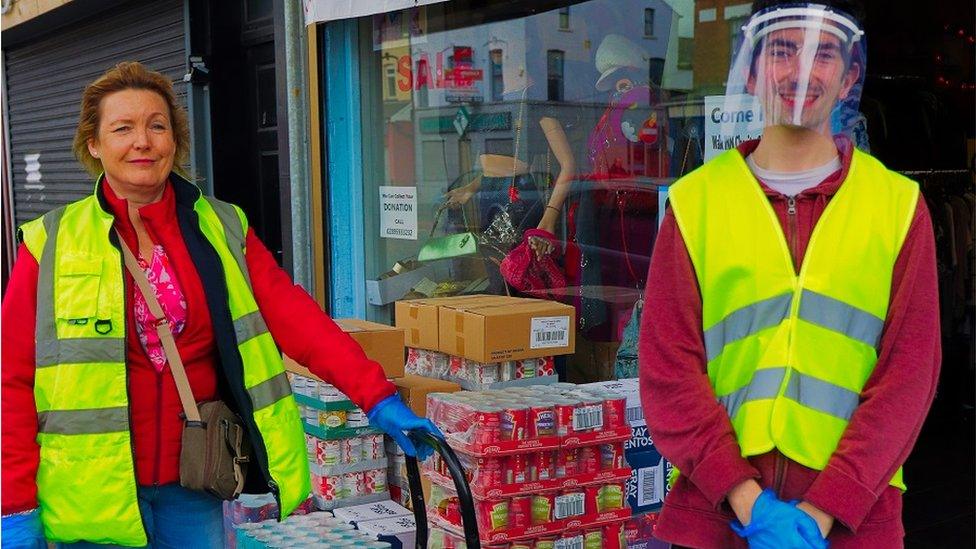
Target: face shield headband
<point>799,66</point>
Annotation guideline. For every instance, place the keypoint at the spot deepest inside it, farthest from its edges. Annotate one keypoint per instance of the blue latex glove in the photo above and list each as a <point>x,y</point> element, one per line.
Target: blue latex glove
<point>23,531</point>
<point>779,525</point>
<point>393,417</point>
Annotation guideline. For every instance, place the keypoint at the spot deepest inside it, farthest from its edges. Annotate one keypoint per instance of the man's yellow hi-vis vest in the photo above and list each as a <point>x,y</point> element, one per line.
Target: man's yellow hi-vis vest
<point>789,353</point>
<point>86,477</point>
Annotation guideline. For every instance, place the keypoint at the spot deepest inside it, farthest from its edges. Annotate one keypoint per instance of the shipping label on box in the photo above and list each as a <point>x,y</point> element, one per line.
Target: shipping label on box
<point>371,511</point>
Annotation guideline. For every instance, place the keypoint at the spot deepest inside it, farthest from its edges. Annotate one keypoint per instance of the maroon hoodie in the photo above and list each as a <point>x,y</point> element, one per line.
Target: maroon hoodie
<point>693,431</point>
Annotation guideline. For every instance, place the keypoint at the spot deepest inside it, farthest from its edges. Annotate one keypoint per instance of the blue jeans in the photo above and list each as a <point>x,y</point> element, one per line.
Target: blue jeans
<point>175,518</point>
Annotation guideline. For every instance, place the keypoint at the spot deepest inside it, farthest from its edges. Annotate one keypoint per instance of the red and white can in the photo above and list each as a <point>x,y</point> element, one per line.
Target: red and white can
<point>542,421</point>
<point>611,456</point>
<point>487,424</point>
<point>353,484</point>
<point>543,466</point>
<point>328,487</point>
<point>567,464</point>
<point>614,411</point>
<point>514,423</point>
<point>374,481</point>
<point>588,460</point>
<point>613,536</point>
<point>492,515</point>
<point>374,447</point>
<point>543,508</point>
<point>520,512</point>
<point>516,469</point>
<point>547,366</point>
<point>490,472</point>
<point>564,409</point>
<point>352,450</point>
<point>328,452</point>
<point>591,499</point>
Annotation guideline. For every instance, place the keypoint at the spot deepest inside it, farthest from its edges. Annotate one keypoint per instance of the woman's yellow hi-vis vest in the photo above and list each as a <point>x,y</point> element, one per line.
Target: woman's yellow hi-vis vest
<point>788,354</point>
<point>86,479</point>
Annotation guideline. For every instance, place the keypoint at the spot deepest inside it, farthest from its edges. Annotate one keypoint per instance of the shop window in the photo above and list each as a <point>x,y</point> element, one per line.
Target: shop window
<point>655,70</point>
<point>649,22</point>
<point>554,71</point>
<point>423,83</point>
<point>564,19</point>
<point>497,76</point>
<point>391,85</point>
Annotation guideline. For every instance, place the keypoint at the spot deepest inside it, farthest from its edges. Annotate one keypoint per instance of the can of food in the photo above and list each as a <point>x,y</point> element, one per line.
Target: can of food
<point>332,420</point>
<point>611,497</point>
<point>356,418</point>
<point>614,411</point>
<point>520,512</point>
<point>588,460</point>
<point>525,368</point>
<point>328,487</point>
<point>543,508</point>
<point>591,499</point>
<point>487,424</point>
<point>374,481</point>
<point>516,469</point>
<point>492,515</point>
<point>543,466</point>
<point>564,410</point>
<point>547,366</point>
<point>328,452</point>
<point>506,370</point>
<point>566,463</point>
<point>611,456</point>
<point>487,372</point>
<point>490,473</point>
<point>299,385</point>
<point>353,484</point>
<point>514,420</point>
<point>593,539</point>
<point>542,421</point>
<point>613,536</point>
<point>545,543</point>
<point>352,450</point>
<point>374,447</point>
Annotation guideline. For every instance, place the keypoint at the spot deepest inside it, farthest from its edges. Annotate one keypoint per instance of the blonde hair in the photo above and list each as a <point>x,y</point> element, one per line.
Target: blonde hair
<point>129,75</point>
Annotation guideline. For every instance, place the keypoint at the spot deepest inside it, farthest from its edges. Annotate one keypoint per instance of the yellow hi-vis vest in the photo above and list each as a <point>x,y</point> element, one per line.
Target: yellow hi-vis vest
<point>788,354</point>
<point>86,479</point>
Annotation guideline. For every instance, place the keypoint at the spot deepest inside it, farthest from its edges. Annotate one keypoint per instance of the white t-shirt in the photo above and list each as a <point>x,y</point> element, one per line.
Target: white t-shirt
<point>793,183</point>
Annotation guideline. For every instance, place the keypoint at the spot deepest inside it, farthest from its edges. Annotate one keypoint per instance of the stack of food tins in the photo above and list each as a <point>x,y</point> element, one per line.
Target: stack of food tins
<point>347,457</point>
<point>542,461</point>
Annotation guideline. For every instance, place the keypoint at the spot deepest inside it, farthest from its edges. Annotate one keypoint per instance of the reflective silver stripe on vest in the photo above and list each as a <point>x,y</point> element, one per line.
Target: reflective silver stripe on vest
<point>840,317</point>
<point>84,422</point>
<point>79,350</point>
<point>249,326</point>
<point>270,391</point>
<point>45,332</point>
<point>822,396</point>
<point>764,385</point>
<point>233,232</point>
<point>746,322</point>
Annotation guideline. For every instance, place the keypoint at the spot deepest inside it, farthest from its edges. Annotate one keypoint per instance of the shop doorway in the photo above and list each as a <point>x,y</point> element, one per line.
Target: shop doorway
<point>244,113</point>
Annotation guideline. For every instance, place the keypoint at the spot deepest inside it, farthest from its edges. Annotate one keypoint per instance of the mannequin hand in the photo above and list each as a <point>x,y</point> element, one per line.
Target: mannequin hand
<point>23,531</point>
<point>459,197</point>
<point>779,524</point>
<point>393,417</point>
<point>540,246</point>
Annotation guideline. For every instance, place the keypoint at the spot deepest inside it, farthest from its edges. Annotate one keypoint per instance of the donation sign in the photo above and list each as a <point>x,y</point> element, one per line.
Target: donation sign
<point>398,212</point>
<point>730,120</point>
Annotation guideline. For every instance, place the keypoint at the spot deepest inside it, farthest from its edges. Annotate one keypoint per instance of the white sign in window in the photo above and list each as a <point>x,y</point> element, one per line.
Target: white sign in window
<point>398,212</point>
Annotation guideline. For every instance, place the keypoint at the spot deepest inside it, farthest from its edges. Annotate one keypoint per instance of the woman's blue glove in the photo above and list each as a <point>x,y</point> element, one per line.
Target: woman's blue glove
<point>779,525</point>
<point>393,417</point>
<point>23,531</point>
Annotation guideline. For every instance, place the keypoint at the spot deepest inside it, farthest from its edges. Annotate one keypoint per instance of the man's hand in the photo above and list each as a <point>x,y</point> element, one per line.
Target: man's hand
<point>824,521</point>
<point>742,498</point>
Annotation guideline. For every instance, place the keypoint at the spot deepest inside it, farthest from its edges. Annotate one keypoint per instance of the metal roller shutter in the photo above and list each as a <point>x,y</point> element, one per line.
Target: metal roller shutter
<point>45,80</point>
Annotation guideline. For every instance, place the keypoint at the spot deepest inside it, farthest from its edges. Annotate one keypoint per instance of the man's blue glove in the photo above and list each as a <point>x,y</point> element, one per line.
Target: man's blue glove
<point>779,525</point>
<point>23,531</point>
<point>393,417</point>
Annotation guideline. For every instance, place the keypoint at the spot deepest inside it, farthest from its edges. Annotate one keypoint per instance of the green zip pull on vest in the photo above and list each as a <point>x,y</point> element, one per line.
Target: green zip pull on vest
<point>86,479</point>
<point>789,353</point>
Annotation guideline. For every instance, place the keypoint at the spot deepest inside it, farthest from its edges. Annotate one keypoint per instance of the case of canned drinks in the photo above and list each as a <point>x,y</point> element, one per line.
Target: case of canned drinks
<point>541,515</point>
<point>477,376</point>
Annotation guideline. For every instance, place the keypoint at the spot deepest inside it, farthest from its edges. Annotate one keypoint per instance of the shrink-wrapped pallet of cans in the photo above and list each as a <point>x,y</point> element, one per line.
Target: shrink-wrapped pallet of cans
<point>476,376</point>
<point>318,529</point>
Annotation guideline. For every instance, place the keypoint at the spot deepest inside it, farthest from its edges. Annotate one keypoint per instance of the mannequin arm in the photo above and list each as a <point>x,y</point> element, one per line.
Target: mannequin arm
<point>559,145</point>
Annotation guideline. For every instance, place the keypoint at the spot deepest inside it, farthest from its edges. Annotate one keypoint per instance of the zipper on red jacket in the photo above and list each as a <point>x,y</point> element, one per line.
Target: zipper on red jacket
<point>791,228</point>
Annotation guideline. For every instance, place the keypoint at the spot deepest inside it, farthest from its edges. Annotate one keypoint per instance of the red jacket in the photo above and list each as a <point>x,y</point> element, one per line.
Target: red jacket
<point>298,325</point>
<point>693,431</point>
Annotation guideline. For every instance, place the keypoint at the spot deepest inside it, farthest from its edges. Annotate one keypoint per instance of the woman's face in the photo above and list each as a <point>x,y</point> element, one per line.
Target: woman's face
<point>135,141</point>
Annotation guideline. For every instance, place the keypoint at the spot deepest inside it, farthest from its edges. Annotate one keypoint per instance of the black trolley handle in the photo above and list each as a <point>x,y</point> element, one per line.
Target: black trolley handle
<point>465,500</point>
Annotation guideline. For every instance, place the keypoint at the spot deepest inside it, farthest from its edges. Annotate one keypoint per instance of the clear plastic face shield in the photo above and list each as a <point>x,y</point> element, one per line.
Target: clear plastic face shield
<point>804,65</point>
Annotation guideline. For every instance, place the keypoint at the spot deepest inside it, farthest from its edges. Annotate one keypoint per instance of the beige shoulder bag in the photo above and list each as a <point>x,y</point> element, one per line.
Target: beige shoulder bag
<point>216,449</point>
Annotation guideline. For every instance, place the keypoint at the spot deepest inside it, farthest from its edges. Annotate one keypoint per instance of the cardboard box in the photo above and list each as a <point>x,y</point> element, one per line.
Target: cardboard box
<point>419,318</point>
<point>371,511</point>
<point>507,329</point>
<point>381,343</point>
<point>414,390</point>
<point>399,532</point>
<point>592,362</point>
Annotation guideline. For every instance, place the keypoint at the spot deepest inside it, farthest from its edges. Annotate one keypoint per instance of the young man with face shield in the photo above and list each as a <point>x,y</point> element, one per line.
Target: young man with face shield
<point>790,337</point>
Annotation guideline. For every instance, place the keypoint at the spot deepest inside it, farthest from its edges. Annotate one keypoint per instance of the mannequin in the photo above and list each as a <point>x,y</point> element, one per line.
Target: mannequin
<point>559,145</point>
